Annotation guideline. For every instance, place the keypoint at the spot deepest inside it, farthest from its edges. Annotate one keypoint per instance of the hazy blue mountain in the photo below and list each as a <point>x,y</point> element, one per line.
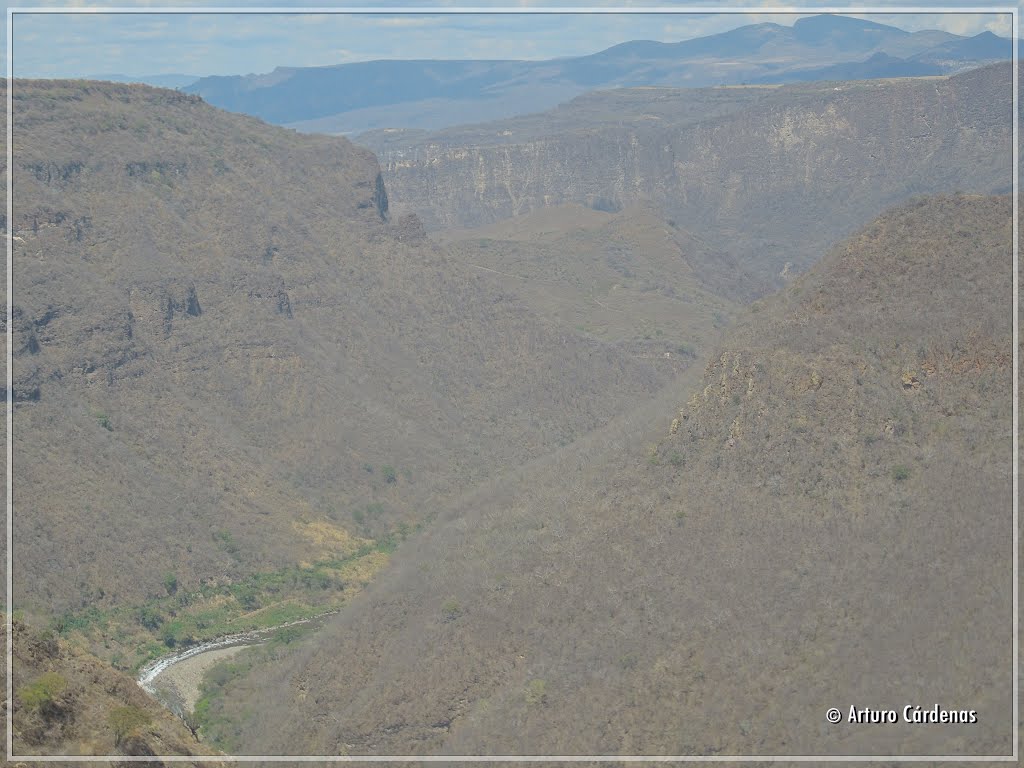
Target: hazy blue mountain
<point>736,42</point>
<point>879,65</point>
<point>983,47</point>
<point>351,98</point>
<point>290,94</point>
<point>844,33</point>
<point>836,32</point>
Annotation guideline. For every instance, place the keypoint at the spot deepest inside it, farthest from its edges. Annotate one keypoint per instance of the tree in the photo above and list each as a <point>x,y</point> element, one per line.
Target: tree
<point>41,694</point>
<point>126,720</point>
<point>451,609</point>
<point>192,723</point>
<point>149,617</point>
<point>536,692</point>
<point>170,583</point>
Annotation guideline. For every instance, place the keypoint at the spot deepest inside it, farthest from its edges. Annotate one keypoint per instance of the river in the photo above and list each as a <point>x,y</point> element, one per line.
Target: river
<point>174,679</point>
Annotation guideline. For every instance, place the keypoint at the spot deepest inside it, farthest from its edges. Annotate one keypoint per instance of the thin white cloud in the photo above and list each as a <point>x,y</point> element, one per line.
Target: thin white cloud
<point>68,45</point>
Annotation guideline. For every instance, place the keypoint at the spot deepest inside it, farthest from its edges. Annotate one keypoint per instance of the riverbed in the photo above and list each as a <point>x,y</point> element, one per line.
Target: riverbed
<point>175,679</point>
<point>178,685</point>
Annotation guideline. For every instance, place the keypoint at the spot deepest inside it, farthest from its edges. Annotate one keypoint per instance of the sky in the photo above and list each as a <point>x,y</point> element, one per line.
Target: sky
<point>148,42</point>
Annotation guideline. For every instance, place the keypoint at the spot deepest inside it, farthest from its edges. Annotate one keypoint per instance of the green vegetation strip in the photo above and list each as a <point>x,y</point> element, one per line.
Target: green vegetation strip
<point>131,636</point>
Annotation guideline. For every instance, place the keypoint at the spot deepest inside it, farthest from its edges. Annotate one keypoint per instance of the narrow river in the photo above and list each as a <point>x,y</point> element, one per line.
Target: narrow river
<point>174,679</point>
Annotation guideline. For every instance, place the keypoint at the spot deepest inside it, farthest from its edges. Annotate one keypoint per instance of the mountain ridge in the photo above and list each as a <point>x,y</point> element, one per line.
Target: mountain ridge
<point>472,90</point>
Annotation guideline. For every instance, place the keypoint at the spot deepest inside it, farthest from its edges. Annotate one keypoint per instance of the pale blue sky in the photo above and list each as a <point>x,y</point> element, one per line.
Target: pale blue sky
<point>144,44</point>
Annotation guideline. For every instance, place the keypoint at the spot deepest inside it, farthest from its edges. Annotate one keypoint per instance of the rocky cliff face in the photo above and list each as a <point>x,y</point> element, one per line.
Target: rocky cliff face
<point>773,181</point>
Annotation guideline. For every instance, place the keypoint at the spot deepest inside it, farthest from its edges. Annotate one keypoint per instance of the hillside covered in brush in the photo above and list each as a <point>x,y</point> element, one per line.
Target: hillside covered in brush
<point>68,702</point>
<point>627,277</point>
<point>545,484</point>
<point>823,518</point>
<point>239,382</point>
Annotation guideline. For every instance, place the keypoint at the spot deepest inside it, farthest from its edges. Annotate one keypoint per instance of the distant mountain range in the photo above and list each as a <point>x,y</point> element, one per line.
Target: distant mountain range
<point>351,98</point>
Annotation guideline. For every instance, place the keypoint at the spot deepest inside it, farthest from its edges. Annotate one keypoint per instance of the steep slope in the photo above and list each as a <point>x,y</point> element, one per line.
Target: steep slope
<point>69,703</point>
<point>433,94</point>
<point>238,381</point>
<point>825,523</point>
<point>629,276</point>
<point>775,180</point>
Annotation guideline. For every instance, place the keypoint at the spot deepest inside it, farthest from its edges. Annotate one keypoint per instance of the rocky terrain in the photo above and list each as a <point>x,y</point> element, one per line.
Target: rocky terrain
<point>222,317</point>
<point>771,176</point>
